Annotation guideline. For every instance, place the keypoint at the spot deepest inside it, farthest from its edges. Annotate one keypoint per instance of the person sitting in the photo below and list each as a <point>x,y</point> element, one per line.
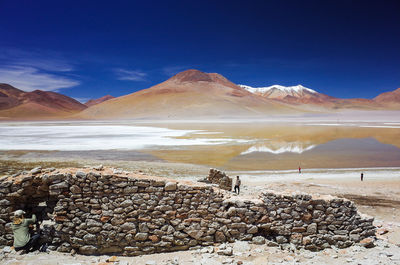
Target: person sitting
<point>22,239</point>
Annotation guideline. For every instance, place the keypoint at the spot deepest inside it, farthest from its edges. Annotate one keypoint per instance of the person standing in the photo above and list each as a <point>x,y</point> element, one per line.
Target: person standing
<point>299,169</point>
<point>22,238</point>
<point>362,176</point>
<point>237,185</point>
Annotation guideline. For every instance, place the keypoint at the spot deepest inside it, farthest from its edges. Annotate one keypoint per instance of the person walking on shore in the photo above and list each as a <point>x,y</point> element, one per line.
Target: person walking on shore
<point>22,238</point>
<point>237,185</point>
<point>362,176</point>
<point>299,169</point>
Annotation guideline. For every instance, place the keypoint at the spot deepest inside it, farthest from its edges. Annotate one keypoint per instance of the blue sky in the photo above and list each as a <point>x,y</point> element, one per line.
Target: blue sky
<point>87,49</point>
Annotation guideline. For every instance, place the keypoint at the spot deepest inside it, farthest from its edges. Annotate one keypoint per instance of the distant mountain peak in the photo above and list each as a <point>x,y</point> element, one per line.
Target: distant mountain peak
<point>15,103</point>
<point>92,102</point>
<point>192,75</point>
<point>289,90</point>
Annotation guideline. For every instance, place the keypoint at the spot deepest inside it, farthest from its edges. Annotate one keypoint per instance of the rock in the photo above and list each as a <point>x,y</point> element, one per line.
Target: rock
<point>382,231</point>
<point>281,239</point>
<point>170,186</point>
<point>312,228</point>
<point>228,251</point>
<point>207,250</point>
<point>367,242</point>
<point>296,238</point>
<point>59,186</point>
<point>6,250</point>
<point>113,259</point>
<point>252,230</point>
<point>126,203</point>
<point>5,202</point>
<point>196,234</point>
<point>154,238</point>
<point>272,244</point>
<point>219,236</point>
<point>75,189</point>
<point>231,211</point>
<point>258,240</point>
<point>90,239</point>
<point>241,246</point>
<point>126,227</point>
<point>36,170</point>
<point>307,217</point>
<point>141,236</point>
<point>117,171</point>
<point>91,223</point>
<point>65,247</point>
<point>80,174</point>
<point>151,262</point>
<point>98,168</point>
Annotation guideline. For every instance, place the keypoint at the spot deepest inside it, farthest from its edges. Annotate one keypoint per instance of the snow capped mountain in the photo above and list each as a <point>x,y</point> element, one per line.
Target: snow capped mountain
<point>296,95</point>
<point>278,91</point>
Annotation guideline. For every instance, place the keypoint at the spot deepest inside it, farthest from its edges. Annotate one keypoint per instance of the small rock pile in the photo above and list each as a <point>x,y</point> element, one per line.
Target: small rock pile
<point>220,178</point>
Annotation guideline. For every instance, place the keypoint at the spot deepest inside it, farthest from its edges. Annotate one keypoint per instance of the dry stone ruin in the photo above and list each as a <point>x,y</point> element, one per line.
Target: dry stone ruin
<point>220,178</point>
<point>108,212</point>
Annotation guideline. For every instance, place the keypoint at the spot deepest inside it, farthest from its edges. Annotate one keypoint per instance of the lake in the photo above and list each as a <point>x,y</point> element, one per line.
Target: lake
<point>232,146</point>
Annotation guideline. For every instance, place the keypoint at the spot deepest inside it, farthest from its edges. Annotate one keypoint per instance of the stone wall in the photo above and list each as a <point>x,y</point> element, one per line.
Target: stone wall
<point>106,212</point>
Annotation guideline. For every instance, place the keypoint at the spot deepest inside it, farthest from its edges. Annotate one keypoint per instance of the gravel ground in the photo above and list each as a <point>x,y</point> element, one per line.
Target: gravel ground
<point>237,253</point>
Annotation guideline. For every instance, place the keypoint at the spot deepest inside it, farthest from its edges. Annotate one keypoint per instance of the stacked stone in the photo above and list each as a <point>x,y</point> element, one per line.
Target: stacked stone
<point>111,214</point>
<point>315,223</point>
<point>220,178</point>
<point>27,192</point>
<point>100,213</point>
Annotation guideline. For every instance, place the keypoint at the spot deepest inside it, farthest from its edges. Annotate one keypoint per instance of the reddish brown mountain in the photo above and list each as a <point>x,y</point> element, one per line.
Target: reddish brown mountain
<point>17,104</point>
<point>187,95</point>
<point>93,102</point>
<point>391,98</point>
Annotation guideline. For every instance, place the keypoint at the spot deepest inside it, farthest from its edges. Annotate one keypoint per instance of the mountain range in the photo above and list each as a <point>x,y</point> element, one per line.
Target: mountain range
<point>18,104</point>
<point>186,95</point>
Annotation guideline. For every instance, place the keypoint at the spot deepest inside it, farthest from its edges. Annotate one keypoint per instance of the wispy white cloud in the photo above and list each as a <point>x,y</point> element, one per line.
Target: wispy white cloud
<point>29,78</point>
<point>37,69</point>
<point>44,60</point>
<point>130,75</point>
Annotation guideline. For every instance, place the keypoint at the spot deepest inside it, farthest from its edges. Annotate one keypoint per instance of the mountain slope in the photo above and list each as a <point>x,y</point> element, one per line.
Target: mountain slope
<point>189,94</point>
<point>15,103</point>
<point>93,102</point>
<point>391,99</point>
